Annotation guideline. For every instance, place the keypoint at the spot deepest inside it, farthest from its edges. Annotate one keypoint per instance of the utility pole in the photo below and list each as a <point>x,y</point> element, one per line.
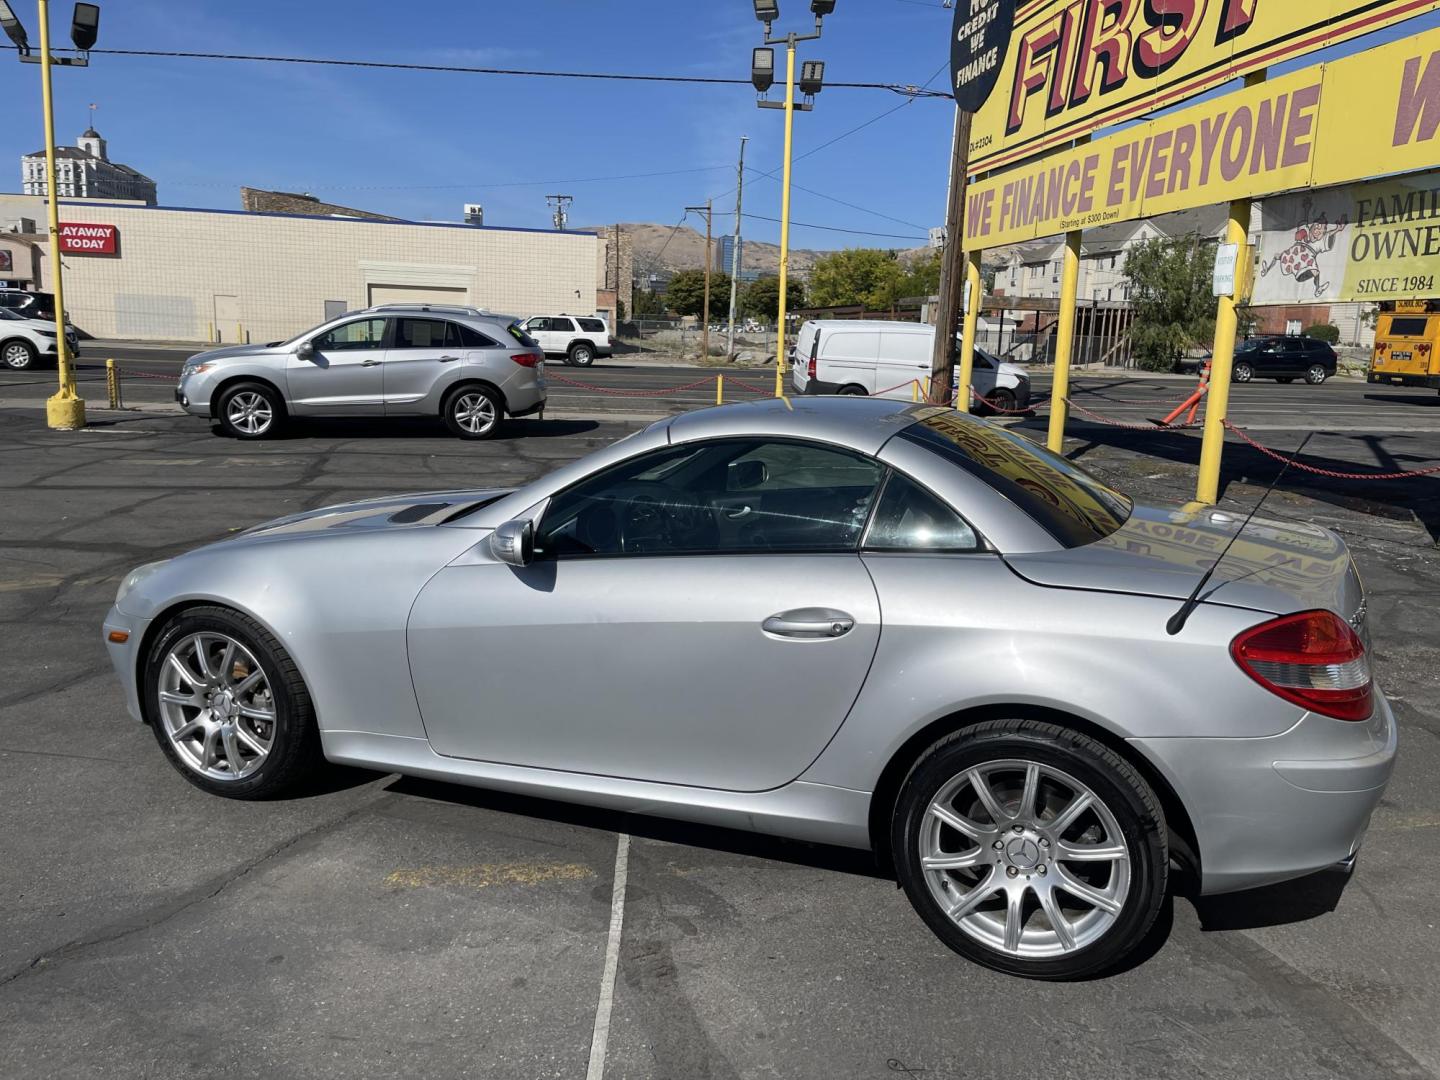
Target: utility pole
<point>561,204</point>
<point>707,210</point>
<point>953,274</point>
<point>735,248</point>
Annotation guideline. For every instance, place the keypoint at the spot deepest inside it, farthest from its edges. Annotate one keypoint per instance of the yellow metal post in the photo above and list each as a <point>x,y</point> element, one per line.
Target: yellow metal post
<point>65,411</point>
<point>915,390</point>
<point>785,217</point>
<point>719,389</point>
<point>239,334</point>
<point>1064,343</point>
<point>972,325</point>
<point>112,384</point>
<point>210,332</point>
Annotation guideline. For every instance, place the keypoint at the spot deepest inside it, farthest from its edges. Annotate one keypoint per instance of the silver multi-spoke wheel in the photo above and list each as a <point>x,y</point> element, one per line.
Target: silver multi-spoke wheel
<point>1024,859</point>
<point>18,355</point>
<point>249,412</point>
<point>475,412</point>
<point>216,706</point>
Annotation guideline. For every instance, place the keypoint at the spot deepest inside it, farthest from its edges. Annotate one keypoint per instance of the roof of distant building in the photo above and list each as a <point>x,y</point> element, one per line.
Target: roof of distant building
<point>258,200</point>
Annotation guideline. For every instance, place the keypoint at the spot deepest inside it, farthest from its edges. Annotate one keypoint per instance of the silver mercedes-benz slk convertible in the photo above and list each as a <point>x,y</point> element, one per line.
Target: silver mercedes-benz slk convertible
<point>846,621</point>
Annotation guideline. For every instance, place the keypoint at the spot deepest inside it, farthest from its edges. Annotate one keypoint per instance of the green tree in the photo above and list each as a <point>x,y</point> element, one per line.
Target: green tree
<point>685,294</point>
<point>922,275</point>
<point>1171,284</point>
<point>761,298</point>
<point>864,276</point>
<point>1327,332</point>
<point>647,304</point>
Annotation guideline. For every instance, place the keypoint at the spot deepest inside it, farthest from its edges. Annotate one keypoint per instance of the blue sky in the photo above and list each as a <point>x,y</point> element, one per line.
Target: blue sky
<point>421,144</point>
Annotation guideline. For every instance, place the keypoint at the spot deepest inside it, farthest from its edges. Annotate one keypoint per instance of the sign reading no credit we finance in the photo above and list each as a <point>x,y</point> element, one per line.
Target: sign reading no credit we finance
<point>1371,114</point>
<point>1074,66</point>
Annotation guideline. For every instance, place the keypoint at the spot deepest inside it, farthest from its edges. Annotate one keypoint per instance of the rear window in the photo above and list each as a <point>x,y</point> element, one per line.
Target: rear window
<point>592,326</point>
<point>1065,500</point>
<point>519,334</point>
<point>1415,327</point>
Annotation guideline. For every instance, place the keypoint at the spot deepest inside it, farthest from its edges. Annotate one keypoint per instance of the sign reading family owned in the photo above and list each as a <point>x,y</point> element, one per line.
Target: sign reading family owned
<point>1077,65</point>
<point>1375,112</point>
<point>979,41</point>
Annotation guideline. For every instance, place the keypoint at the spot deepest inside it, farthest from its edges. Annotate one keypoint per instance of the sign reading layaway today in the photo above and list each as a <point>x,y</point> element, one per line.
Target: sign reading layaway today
<point>1378,240</point>
<point>77,238</point>
<point>1375,112</point>
<point>1077,65</point>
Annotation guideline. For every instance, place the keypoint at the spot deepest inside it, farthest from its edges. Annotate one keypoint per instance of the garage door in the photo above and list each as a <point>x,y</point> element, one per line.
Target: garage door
<point>417,294</point>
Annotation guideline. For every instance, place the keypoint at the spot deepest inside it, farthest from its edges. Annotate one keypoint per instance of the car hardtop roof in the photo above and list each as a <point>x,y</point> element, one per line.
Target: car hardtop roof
<point>869,324</point>
<point>434,309</point>
<point>863,424</point>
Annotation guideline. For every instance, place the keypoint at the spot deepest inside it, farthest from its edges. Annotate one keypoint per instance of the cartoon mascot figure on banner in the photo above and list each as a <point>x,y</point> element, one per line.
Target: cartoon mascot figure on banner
<point>1314,236</point>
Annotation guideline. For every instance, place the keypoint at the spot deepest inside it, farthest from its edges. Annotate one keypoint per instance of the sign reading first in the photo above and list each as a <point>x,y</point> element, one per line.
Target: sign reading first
<point>1077,65</point>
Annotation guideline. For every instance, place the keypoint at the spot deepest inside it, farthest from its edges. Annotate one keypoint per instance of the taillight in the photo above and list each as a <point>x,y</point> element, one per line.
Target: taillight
<point>526,359</point>
<point>1313,659</point>
<point>810,368</point>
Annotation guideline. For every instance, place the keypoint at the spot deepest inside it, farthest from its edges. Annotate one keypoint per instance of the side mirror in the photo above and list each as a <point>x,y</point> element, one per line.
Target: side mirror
<point>748,474</point>
<point>513,543</point>
<point>305,351</point>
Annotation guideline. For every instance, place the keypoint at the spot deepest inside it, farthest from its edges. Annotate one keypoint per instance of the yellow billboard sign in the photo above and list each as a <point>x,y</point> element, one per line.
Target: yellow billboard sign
<point>1373,113</point>
<point>1077,65</point>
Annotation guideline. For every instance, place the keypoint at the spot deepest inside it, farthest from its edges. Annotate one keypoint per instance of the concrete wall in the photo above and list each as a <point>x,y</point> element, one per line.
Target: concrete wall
<point>268,276</point>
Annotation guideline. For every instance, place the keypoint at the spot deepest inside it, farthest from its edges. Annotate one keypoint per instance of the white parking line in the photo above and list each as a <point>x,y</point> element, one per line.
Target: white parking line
<point>601,1035</point>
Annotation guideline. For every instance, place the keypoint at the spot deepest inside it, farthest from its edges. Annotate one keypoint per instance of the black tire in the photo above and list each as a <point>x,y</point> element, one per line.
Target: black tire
<point>1110,778</point>
<point>853,391</point>
<point>466,412</point>
<point>1316,374</point>
<point>581,354</point>
<point>295,755</point>
<point>1002,401</point>
<point>242,411</point>
<point>18,355</point>
<point>1243,372</point>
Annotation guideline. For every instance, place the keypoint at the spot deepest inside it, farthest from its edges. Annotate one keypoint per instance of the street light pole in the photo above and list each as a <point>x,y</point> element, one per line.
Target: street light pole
<point>65,411</point>
<point>735,249</point>
<point>708,210</point>
<point>785,216</point>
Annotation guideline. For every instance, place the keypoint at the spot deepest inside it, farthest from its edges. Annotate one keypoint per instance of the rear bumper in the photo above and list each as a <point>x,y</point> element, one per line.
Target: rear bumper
<point>1431,382</point>
<point>815,388</point>
<point>1273,809</point>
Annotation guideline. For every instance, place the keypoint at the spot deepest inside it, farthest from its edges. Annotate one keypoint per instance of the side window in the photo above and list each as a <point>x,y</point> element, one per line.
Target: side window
<point>564,326</point>
<point>461,336</point>
<point>361,334</point>
<point>592,326</point>
<point>909,518</point>
<point>730,496</point>
<point>537,325</point>
<point>419,334</point>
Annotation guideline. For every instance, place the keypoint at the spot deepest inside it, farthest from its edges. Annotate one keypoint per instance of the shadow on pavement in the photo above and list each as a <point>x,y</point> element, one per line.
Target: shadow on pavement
<point>1275,905</point>
<point>417,427</point>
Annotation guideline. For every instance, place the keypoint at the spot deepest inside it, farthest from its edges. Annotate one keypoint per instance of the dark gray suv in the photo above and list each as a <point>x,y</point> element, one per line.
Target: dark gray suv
<point>1284,359</point>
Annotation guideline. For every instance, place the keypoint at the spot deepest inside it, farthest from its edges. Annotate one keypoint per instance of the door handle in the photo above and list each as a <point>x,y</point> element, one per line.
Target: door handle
<point>809,623</point>
<point>369,363</point>
<point>448,359</point>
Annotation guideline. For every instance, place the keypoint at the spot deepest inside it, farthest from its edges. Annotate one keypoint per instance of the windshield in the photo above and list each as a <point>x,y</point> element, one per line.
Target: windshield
<point>1065,500</point>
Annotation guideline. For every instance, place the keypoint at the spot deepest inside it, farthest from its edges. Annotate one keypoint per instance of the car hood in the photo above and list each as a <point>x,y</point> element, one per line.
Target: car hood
<point>231,351</point>
<point>1277,567</point>
<point>1014,369</point>
<point>391,512</point>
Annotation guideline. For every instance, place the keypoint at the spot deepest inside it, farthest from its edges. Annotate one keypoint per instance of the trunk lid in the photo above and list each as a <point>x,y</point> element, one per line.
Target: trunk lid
<point>1277,567</point>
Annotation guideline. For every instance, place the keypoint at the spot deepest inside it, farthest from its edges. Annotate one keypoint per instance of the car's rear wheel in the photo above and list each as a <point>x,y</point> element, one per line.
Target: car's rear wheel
<point>1244,372</point>
<point>582,355</point>
<point>250,411</point>
<point>1031,849</point>
<point>474,412</point>
<point>1315,374</point>
<point>19,355</point>
<point>853,390</point>
<point>1001,400</point>
<point>228,706</point>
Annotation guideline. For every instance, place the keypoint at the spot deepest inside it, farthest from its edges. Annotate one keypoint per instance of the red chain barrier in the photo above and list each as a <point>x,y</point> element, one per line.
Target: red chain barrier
<point>1110,422</point>
<point>1331,473</point>
<point>148,375</point>
<point>1128,401</point>
<point>748,386</point>
<point>1028,410</point>
<point>662,392</point>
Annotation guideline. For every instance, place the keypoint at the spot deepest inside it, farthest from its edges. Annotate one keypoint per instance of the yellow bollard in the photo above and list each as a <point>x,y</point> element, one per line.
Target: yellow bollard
<point>719,389</point>
<point>915,390</point>
<point>210,333</point>
<point>239,334</point>
<point>112,385</point>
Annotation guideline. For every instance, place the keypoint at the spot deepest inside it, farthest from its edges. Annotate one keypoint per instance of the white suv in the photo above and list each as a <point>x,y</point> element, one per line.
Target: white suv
<point>24,342</point>
<point>577,340</point>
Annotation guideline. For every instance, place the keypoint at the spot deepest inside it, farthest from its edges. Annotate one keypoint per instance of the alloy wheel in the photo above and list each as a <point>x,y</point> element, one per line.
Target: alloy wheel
<point>17,356</point>
<point>216,706</point>
<point>1244,373</point>
<point>1316,375</point>
<point>475,413</point>
<point>249,412</point>
<point>1024,859</point>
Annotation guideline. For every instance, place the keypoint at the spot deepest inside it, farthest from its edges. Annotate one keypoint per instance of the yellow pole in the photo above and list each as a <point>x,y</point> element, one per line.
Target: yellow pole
<point>66,410</point>
<point>915,390</point>
<point>785,216</point>
<point>719,389</point>
<point>972,325</point>
<point>112,384</point>
<point>239,334</point>
<point>1217,408</point>
<point>210,333</point>
<point>1064,343</point>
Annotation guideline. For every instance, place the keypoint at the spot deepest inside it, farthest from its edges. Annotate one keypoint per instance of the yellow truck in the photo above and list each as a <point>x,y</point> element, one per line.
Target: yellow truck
<point>1407,346</point>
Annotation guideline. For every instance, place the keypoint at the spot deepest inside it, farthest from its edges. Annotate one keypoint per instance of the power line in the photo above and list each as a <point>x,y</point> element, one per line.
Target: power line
<point>448,187</point>
<point>835,228</point>
<point>453,69</point>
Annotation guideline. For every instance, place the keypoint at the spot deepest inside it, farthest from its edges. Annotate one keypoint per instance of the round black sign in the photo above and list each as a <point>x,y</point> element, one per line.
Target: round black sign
<point>978,43</point>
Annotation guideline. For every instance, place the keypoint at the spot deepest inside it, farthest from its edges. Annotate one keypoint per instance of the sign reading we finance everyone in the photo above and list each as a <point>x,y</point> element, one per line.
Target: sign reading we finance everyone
<point>1074,66</point>
<point>1373,113</point>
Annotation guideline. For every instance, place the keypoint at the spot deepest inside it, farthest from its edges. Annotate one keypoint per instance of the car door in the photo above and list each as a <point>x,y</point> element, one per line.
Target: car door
<point>904,360</point>
<point>421,354</point>
<point>539,329</point>
<point>696,615</point>
<point>344,375</point>
<point>848,358</point>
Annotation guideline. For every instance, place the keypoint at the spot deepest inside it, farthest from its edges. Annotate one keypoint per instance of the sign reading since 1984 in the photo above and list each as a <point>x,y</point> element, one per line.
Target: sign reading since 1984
<point>978,44</point>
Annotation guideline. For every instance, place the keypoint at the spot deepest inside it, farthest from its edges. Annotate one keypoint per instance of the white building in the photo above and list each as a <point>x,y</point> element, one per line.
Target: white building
<point>85,171</point>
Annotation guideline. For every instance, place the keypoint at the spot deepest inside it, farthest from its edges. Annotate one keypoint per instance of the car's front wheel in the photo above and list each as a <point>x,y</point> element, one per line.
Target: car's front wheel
<point>1000,400</point>
<point>1244,372</point>
<point>250,410</point>
<point>19,355</point>
<point>228,706</point>
<point>1031,848</point>
<point>582,355</point>
<point>1315,374</point>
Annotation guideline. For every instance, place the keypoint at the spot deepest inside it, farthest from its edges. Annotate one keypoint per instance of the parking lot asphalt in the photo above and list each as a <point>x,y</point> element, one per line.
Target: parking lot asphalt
<point>383,926</point>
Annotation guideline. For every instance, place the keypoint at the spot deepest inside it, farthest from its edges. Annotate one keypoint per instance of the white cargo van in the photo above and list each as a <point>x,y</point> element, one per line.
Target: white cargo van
<point>885,359</point>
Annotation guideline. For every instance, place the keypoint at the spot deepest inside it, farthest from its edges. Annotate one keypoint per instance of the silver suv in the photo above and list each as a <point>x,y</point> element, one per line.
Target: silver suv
<point>26,340</point>
<point>470,367</point>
